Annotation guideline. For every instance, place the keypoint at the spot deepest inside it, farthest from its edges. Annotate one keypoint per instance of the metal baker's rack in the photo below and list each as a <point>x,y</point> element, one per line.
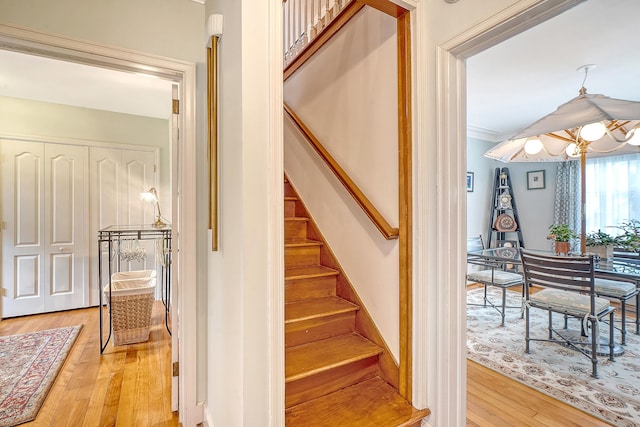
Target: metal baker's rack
<point>113,236</point>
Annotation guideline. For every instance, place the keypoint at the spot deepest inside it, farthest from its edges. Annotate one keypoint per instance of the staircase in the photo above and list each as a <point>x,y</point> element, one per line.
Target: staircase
<point>333,373</point>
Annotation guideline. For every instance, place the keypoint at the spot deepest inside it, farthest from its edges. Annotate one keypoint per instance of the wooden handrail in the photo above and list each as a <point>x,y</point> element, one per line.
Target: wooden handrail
<point>374,215</point>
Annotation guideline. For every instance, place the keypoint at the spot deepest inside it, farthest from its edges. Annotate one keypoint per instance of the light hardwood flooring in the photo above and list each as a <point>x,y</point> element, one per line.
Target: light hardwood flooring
<point>128,385</point>
<point>496,400</point>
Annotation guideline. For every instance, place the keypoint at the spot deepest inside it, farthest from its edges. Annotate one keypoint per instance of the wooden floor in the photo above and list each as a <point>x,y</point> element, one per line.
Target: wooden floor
<point>496,400</point>
<point>123,388</point>
<point>126,386</point>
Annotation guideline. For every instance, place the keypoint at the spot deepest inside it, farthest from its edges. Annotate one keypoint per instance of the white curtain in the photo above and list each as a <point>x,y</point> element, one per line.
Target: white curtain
<point>613,192</point>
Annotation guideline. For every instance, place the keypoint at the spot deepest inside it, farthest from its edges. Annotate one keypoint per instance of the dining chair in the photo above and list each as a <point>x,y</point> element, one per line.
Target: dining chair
<point>491,273</point>
<point>566,285</point>
<point>622,292</point>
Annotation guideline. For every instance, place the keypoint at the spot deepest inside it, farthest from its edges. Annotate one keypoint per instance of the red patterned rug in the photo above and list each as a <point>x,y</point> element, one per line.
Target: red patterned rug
<point>29,364</point>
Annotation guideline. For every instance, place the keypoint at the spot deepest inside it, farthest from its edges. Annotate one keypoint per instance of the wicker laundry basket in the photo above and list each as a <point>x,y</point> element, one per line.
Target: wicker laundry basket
<point>132,295</point>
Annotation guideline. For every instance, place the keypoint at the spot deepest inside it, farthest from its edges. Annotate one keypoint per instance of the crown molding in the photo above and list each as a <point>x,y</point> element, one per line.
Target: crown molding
<point>486,134</point>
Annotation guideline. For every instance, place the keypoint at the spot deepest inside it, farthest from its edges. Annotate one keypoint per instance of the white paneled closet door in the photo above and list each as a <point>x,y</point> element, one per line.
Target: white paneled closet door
<point>65,250</point>
<point>118,176</point>
<point>139,175</point>
<point>44,239</point>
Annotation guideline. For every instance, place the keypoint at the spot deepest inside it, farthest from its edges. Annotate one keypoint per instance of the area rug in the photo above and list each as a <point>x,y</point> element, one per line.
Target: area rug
<point>29,364</point>
<point>553,369</point>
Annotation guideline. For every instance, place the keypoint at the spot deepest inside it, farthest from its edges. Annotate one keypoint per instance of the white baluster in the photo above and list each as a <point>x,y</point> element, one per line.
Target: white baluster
<point>285,25</point>
<point>296,24</point>
<point>310,22</point>
<point>314,18</point>
<point>297,18</point>
<point>291,30</point>
<point>331,9</point>
<point>325,15</point>
<point>303,23</point>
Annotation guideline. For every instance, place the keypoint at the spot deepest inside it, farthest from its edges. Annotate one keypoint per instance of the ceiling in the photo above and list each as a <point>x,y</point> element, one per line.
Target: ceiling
<point>44,79</point>
<point>528,76</point>
<point>509,86</point>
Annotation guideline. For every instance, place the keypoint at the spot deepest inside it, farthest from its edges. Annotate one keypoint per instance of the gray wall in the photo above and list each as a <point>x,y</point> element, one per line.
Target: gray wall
<point>535,207</point>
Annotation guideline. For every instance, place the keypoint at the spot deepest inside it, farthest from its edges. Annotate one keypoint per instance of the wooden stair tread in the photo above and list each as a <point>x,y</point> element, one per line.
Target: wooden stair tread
<point>372,402</point>
<point>296,218</point>
<point>316,307</point>
<point>290,198</point>
<point>308,271</point>
<point>308,359</point>
<point>292,243</point>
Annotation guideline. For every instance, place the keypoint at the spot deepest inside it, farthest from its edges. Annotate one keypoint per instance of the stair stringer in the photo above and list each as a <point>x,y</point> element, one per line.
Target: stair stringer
<point>365,325</point>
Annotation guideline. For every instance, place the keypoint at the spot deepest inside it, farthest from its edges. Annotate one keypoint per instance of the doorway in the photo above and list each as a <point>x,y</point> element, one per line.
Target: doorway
<point>182,179</point>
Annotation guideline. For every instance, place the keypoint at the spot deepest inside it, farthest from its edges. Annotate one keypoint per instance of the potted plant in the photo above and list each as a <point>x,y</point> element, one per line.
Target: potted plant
<point>601,244</point>
<point>561,234</point>
<point>629,240</point>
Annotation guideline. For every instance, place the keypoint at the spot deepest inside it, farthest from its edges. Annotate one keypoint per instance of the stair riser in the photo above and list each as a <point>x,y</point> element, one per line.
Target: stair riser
<point>300,289</point>
<point>317,329</point>
<point>299,256</point>
<point>289,208</point>
<point>295,229</point>
<point>288,190</point>
<point>329,381</point>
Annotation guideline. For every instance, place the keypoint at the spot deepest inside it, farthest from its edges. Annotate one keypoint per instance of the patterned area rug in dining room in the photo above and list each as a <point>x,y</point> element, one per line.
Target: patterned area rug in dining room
<point>554,369</point>
<point>29,364</point>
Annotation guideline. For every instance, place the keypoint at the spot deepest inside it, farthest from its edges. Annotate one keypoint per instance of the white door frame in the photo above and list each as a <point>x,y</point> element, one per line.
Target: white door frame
<point>440,141</point>
<point>184,218</point>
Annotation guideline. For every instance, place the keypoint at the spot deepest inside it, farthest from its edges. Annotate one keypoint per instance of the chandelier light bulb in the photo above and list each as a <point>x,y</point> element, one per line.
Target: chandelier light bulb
<point>572,150</point>
<point>533,146</point>
<point>633,137</point>
<point>593,131</point>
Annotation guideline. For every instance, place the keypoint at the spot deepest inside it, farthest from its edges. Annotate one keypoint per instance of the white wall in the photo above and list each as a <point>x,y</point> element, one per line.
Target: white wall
<point>347,95</point>
<point>241,366</point>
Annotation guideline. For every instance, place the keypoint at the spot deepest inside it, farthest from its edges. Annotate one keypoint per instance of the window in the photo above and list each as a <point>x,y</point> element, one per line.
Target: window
<point>613,192</point>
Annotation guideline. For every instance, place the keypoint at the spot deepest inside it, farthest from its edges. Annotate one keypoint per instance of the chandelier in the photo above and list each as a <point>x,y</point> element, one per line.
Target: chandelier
<point>588,124</point>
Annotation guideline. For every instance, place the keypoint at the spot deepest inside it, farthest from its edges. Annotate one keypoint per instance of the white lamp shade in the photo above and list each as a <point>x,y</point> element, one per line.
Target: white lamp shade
<point>572,150</point>
<point>593,131</point>
<point>633,137</point>
<point>214,25</point>
<point>149,196</point>
<point>533,146</point>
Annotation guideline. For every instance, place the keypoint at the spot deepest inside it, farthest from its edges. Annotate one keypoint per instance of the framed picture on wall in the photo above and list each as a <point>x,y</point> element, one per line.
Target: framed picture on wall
<point>469,182</point>
<point>535,180</point>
